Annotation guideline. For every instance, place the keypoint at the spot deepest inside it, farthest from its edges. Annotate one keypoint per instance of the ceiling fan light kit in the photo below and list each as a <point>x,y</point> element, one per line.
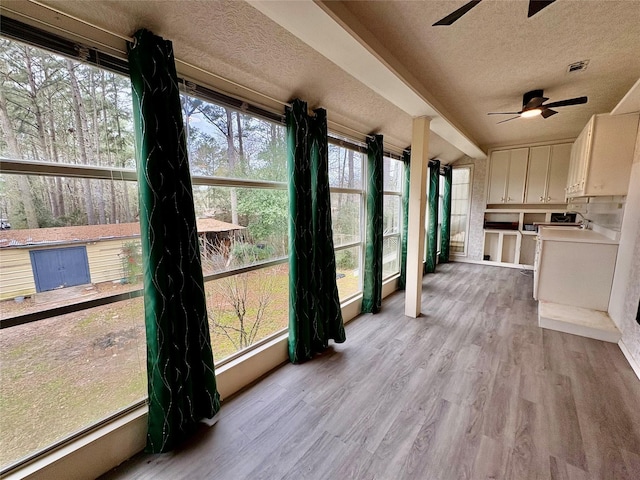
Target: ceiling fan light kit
<point>531,113</point>
<point>533,105</point>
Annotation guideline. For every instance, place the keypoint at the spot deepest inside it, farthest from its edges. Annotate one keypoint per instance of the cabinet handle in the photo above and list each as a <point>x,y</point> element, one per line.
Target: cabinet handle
<point>548,199</point>
<point>502,199</point>
<point>508,199</point>
<point>541,198</point>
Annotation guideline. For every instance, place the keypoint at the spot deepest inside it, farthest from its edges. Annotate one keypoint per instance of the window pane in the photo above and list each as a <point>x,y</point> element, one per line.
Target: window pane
<point>460,205</point>
<point>226,143</point>
<point>345,167</point>
<point>345,216</point>
<point>62,250</point>
<point>393,171</point>
<point>70,113</point>
<point>33,201</point>
<point>243,309</point>
<point>390,256</point>
<point>240,226</point>
<point>348,272</point>
<point>391,210</point>
<point>62,374</point>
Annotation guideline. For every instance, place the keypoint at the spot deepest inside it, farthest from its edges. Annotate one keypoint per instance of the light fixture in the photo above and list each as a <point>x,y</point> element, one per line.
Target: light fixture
<point>531,113</point>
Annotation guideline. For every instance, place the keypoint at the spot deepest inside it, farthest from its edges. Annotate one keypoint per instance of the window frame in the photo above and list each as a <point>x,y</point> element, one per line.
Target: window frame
<point>398,234</point>
<point>468,213</point>
<point>333,139</point>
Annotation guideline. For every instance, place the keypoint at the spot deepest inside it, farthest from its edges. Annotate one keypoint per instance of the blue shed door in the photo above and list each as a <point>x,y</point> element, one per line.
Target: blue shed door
<point>60,267</point>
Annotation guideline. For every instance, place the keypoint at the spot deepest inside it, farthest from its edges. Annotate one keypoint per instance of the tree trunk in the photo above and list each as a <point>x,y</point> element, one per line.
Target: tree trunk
<point>350,165</point>
<point>95,136</point>
<point>240,141</point>
<point>54,157</point>
<point>231,157</point>
<point>81,121</point>
<point>14,151</point>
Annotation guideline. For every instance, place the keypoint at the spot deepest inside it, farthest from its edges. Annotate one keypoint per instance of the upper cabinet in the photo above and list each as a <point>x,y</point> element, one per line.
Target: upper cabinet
<point>601,157</point>
<point>531,175</point>
<point>507,175</point>
<point>547,175</point>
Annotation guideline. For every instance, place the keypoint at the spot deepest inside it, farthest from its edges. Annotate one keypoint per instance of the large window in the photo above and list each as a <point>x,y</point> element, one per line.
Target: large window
<point>72,343</point>
<point>460,208</point>
<point>392,211</point>
<point>347,196</point>
<point>239,167</point>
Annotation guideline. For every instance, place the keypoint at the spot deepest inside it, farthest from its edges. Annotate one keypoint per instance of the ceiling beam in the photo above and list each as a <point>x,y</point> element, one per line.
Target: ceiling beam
<point>333,32</point>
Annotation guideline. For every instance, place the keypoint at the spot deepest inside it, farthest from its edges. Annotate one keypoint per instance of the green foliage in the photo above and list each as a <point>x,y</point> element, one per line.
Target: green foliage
<point>265,212</point>
<point>131,255</point>
<point>346,260</point>
<point>246,253</point>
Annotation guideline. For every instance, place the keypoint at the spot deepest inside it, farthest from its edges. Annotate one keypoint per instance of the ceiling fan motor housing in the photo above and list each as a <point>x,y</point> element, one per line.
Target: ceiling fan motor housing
<point>527,97</point>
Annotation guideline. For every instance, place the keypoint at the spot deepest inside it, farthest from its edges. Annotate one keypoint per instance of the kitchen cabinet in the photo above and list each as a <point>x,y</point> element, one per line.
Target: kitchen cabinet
<point>507,175</point>
<point>601,157</point>
<point>574,267</point>
<point>573,275</point>
<point>547,173</point>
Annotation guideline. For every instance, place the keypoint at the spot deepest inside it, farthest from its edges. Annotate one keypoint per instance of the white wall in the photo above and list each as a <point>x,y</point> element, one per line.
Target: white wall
<point>625,292</point>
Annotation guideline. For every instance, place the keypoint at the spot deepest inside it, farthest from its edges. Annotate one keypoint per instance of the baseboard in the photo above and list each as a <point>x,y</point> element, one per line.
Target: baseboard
<point>492,264</point>
<point>632,361</point>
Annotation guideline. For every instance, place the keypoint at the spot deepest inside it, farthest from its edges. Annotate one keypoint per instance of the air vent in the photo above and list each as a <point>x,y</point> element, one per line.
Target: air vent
<point>577,66</point>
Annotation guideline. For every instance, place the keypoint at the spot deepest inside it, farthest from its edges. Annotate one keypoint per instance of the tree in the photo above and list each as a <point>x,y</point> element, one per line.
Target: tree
<point>241,303</point>
<point>14,151</point>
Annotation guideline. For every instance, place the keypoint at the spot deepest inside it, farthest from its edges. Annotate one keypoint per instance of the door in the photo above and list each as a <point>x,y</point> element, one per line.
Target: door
<point>499,169</point>
<point>558,172</point>
<point>537,176</point>
<point>517,175</point>
<point>60,267</point>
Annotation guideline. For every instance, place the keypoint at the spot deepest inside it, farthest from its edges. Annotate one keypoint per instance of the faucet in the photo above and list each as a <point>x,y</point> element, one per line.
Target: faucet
<point>584,224</point>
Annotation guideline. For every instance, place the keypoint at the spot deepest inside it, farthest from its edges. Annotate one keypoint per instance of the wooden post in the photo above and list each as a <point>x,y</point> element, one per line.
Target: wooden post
<point>417,206</point>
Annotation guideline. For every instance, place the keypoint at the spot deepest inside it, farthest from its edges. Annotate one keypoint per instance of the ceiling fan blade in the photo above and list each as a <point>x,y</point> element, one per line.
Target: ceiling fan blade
<point>507,120</point>
<point>566,103</point>
<point>452,17</point>
<point>547,112</point>
<point>504,113</point>
<point>535,102</point>
<point>536,5</point>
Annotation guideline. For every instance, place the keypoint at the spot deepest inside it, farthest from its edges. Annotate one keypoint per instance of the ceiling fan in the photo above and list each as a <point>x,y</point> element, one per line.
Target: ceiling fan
<point>533,105</point>
<point>534,7</point>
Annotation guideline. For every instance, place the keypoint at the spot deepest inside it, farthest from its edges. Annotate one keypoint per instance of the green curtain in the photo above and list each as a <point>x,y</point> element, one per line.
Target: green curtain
<point>181,378</point>
<point>402,281</point>
<point>314,306</point>
<point>432,231</point>
<point>445,230</point>
<point>372,289</point>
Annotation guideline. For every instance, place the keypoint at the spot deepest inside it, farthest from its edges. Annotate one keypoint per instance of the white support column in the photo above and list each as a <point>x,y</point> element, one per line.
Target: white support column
<point>417,207</point>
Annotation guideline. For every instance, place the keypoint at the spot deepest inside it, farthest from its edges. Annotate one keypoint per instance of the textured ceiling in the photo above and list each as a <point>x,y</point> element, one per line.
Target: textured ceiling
<point>484,62</point>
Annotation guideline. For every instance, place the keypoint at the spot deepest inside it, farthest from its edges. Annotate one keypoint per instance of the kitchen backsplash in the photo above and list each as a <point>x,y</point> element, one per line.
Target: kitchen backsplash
<point>604,212</point>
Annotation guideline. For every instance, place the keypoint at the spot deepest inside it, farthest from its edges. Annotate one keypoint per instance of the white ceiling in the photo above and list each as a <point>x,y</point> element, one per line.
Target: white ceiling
<point>483,62</point>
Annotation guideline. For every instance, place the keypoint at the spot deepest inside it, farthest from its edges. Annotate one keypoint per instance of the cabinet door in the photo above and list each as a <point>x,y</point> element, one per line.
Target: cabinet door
<point>517,175</point>
<point>537,175</point>
<point>499,169</point>
<point>558,171</point>
<point>584,147</point>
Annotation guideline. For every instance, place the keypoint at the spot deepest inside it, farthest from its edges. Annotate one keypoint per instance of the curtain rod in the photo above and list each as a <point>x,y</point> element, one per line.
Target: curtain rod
<point>186,64</point>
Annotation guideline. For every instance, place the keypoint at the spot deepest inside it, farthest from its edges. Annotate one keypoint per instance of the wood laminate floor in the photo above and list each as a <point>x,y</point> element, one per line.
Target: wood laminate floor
<point>472,389</point>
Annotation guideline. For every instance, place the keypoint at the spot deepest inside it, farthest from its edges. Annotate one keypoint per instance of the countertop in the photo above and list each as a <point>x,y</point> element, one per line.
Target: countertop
<point>567,234</point>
